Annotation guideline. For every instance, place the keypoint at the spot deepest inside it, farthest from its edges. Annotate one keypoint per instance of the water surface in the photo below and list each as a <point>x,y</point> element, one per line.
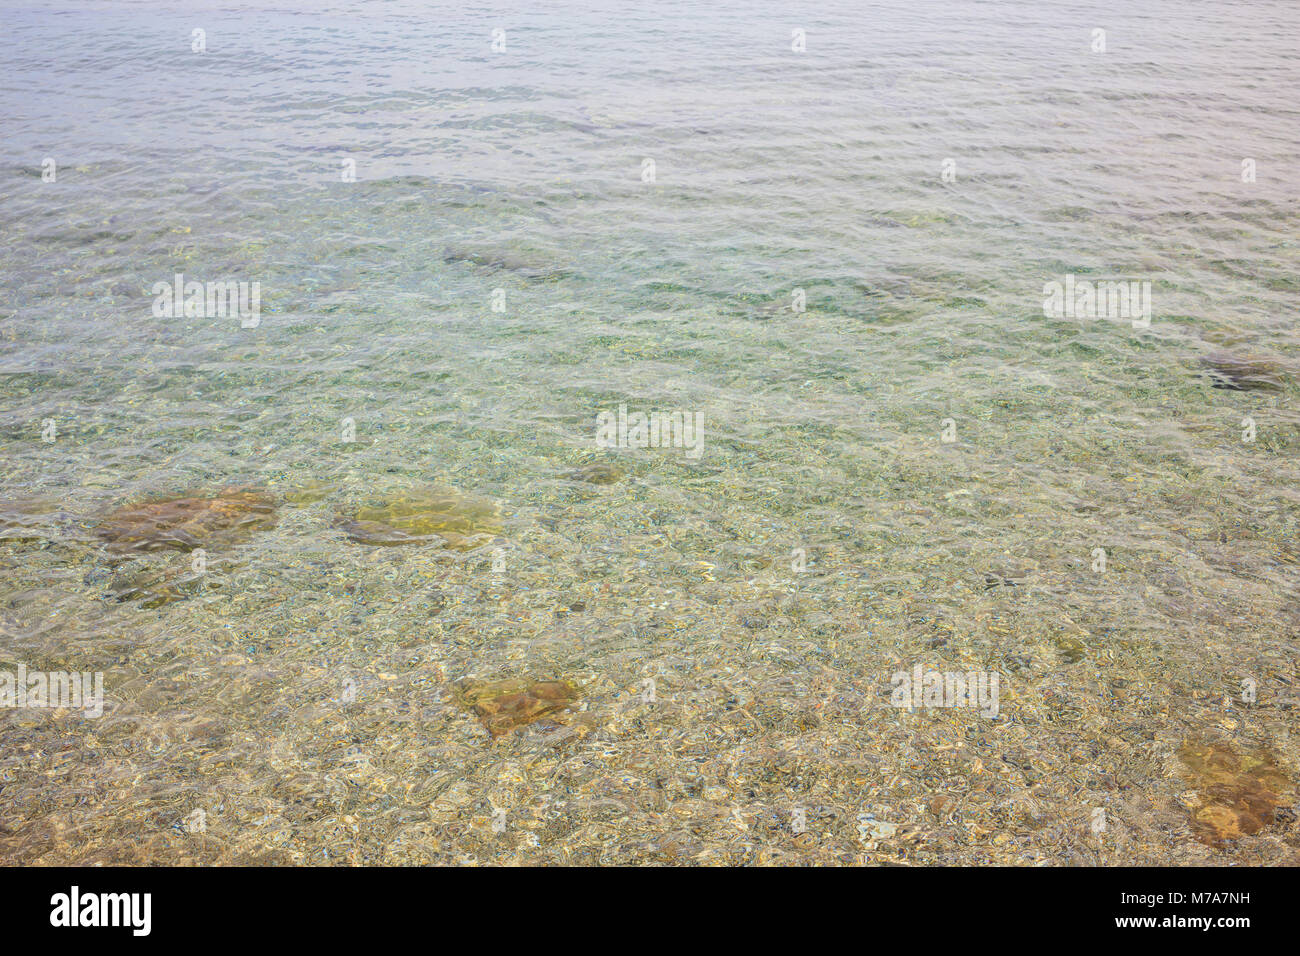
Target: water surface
<point>306,692</point>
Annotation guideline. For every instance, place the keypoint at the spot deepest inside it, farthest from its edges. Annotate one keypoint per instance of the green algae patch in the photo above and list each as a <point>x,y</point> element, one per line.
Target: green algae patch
<point>441,516</point>
<point>309,492</point>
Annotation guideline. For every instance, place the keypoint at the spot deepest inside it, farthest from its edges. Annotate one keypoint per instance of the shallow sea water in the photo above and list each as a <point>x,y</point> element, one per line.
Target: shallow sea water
<point>303,700</point>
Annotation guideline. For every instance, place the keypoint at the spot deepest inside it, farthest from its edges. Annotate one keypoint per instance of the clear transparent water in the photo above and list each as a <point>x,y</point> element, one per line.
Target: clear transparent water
<point>774,171</point>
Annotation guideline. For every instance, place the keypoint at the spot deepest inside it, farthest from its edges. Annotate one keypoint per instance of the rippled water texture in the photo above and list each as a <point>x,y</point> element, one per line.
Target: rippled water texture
<point>363,586</point>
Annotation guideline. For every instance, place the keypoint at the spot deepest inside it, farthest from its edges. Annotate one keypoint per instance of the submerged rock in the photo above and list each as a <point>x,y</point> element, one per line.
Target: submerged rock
<point>1072,649</point>
<point>444,516</point>
<point>1005,577</point>
<point>183,524</point>
<point>1244,372</point>
<point>1235,795</point>
<point>503,706</point>
<point>490,257</point>
<point>153,586</point>
<point>600,473</point>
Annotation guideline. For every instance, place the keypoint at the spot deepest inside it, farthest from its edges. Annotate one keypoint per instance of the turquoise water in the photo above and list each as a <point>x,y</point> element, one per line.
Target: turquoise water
<point>302,691</point>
